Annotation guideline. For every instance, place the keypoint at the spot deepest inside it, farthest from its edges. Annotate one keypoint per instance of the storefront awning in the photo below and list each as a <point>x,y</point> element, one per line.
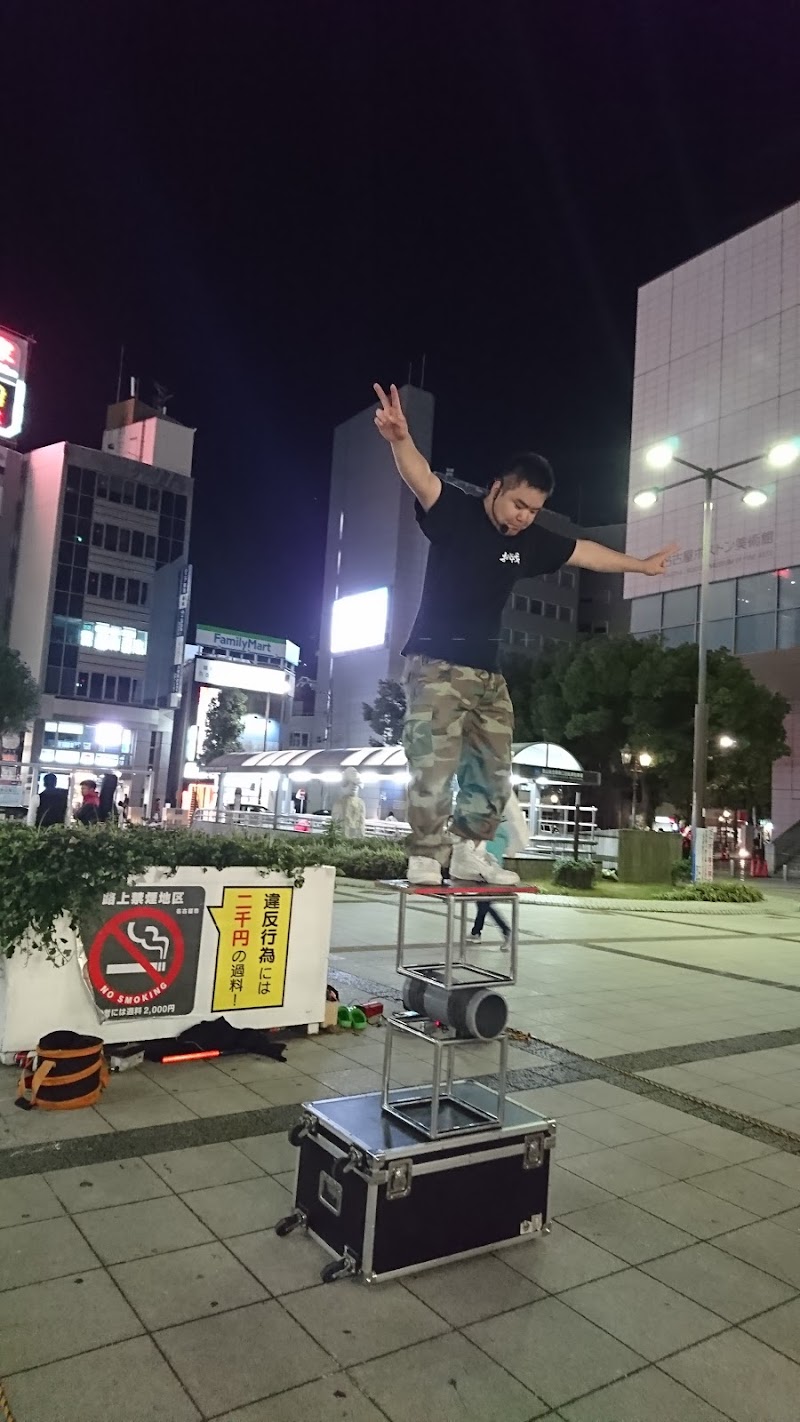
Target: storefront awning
<point>536,760</point>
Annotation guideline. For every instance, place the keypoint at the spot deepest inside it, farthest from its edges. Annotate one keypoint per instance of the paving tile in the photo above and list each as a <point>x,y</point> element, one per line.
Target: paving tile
<point>473,1289</point>
<point>185,1284</point>
<point>746,1380</point>
<point>753,1192</point>
<point>32,1252</point>
<point>560,1260</point>
<point>602,1093</point>
<point>718,1281</point>
<point>244,1206</point>
<point>136,1231</point>
<point>62,1392</point>
<point>25,1198</point>
<point>570,1142</point>
<point>767,1246</point>
<point>29,1128</point>
<point>626,1231</point>
<point>135,1115</point>
<point>617,1173</point>
<point>571,1192</point>
<point>43,1322</point>
<point>657,1116</point>
<point>729,1145</point>
<point>198,1167</point>
<point>780,1329</point>
<point>459,1382</point>
<point>610,1128</point>
<point>115,1182</point>
<point>242,1356</point>
<point>790,1221</point>
<point>553,1351</point>
<point>282,1265</point>
<point>781,1166</point>
<point>220,1100</point>
<point>365,1322</point>
<point>350,1080</point>
<point>648,1396</point>
<point>332,1399</point>
<point>681,1161</point>
<point>272,1152</point>
<point>693,1209</point>
<point>550,1101</point>
<point>644,1313</point>
<point>787,1117</point>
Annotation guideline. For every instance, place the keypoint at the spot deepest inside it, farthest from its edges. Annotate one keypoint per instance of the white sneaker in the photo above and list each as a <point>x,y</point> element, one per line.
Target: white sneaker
<point>472,864</point>
<point>424,872</point>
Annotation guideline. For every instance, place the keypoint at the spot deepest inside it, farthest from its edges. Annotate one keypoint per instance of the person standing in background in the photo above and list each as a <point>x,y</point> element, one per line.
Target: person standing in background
<point>52,807</point>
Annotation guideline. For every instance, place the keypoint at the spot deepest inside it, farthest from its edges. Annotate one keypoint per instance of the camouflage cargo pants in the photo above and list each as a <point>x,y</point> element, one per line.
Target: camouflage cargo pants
<point>459,722</point>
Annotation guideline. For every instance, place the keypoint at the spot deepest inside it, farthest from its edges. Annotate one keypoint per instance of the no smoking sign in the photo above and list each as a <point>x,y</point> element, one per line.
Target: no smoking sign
<point>143,957</point>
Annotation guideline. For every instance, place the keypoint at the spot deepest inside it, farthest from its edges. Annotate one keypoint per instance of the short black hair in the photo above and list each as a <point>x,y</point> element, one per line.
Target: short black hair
<point>50,780</point>
<point>531,469</point>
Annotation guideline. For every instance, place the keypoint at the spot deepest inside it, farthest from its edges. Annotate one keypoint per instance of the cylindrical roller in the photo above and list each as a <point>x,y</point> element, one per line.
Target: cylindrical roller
<point>471,1012</point>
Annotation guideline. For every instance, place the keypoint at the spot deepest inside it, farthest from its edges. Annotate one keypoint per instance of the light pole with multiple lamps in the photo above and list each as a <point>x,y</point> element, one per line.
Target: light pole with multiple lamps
<point>660,456</point>
<point>635,762</point>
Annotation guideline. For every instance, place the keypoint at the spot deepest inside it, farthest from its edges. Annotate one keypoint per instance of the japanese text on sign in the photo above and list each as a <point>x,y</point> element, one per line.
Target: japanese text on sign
<point>253,948</point>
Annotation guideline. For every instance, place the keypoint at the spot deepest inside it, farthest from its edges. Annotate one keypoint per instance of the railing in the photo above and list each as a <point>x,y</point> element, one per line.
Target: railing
<point>260,821</point>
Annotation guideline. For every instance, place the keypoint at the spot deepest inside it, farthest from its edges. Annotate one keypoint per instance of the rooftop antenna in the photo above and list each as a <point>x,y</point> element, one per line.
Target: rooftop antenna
<point>134,388</point>
<point>422,373</point>
<point>162,397</point>
<point>119,372</point>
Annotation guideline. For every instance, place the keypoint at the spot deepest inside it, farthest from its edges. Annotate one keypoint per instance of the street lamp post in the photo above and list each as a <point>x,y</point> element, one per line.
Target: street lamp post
<point>780,456</point>
<point>636,762</point>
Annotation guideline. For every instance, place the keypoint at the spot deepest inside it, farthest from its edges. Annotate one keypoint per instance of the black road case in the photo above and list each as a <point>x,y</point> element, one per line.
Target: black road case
<point>384,1202</point>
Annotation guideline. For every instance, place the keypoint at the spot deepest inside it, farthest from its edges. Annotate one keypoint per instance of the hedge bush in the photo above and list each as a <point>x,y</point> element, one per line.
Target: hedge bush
<point>682,872</point>
<point>66,869</point>
<point>573,874</point>
<point>732,892</point>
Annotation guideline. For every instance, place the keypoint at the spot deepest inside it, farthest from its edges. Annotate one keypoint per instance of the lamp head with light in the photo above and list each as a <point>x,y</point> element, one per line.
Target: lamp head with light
<point>646,498</point>
<point>754,498</point>
<point>661,455</point>
<point>781,455</point>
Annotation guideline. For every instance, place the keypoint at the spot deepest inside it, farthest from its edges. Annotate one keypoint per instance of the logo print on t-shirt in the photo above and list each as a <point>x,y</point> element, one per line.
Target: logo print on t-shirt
<point>509,558</point>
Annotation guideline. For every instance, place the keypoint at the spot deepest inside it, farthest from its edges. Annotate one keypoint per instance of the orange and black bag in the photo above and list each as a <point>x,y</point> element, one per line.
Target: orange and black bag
<point>65,1072</point>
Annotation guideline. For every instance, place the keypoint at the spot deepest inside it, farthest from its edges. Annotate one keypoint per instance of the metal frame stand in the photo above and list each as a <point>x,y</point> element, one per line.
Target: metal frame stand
<point>448,1107</point>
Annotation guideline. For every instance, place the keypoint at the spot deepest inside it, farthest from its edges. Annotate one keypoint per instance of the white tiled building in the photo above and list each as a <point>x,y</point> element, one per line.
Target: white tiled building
<point>718,367</point>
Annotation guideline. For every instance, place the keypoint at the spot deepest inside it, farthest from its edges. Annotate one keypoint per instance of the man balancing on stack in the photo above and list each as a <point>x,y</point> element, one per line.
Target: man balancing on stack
<point>459,720</point>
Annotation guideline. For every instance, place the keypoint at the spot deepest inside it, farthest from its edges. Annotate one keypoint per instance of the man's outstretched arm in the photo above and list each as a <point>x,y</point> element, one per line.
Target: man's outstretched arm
<point>596,558</point>
<point>412,466</point>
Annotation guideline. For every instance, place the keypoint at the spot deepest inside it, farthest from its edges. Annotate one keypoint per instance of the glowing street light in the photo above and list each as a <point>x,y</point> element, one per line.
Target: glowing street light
<point>661,455</point>
<point>754,498</point>
<point>726,742</point>
<point>646,499</point>
<point>782,455</point>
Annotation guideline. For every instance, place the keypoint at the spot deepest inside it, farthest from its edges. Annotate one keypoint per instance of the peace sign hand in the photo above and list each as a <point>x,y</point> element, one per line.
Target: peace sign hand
<point>390,420</point>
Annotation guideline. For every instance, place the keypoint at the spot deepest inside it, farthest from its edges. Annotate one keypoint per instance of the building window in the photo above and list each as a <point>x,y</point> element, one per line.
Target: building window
<point>600,629</point>
<point>565,614</point>
<point>566,578</point>
<point>517,637</point>
<point>123,688</point>
<point>137,544</point>
<point>111,537</point>
<point>678,636</point>
<point>133,591</point>
<point>106,587</point>
<point>755,633</point>
<point>758,593</point>
<point>109,637</point>
<point>550,609</point>
<point>721,601</point>
<point>96,683</point>
<point>97,535</point>
<point>646,614</point>
<point>505,636</point>
<point>519,603</point>
<point>721,634</point>
<point>140,496</point>
<point>119,589</point>
<point>149,545</point>
<point>124,540</point>
<point>680,607</point>
<point>536,607</point>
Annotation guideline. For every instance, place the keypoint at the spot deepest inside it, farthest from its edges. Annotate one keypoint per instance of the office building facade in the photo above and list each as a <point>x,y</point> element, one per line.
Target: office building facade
<point>718,368</point>
<point>95,548</point>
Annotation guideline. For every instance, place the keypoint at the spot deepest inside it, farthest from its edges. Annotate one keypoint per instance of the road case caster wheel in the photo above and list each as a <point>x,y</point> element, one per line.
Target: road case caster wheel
<point>298,1133</point>
<point>338,1269</point>
<point>289,1223</point>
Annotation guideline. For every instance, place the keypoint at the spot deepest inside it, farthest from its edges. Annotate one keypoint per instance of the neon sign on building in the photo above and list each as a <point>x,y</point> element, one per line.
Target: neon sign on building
<point>13,363</point>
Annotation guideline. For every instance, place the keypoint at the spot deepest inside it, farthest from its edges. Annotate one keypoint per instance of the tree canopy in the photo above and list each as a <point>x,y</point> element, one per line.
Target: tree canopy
<point>386,715</point>
<point>19,694</point>
<point>224,724</point>
<point>596,696</point>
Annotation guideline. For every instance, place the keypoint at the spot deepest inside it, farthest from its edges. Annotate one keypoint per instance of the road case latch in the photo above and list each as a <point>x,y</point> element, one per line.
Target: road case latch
<point>398,1179</point>
<point>533,1153</point>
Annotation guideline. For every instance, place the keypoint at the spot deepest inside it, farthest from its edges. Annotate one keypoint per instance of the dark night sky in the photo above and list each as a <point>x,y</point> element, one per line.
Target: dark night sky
<point>274,204</point>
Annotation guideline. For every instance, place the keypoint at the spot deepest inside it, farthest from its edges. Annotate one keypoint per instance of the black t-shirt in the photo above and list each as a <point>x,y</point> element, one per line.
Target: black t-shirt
<point>472,568</point>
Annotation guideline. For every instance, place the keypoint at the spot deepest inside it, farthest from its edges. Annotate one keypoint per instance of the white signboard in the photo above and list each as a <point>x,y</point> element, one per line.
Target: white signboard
<point>703,856</point>
<point>228,640</point>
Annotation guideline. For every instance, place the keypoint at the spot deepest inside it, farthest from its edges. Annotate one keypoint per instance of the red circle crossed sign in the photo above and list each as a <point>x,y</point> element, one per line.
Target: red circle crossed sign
<point>116,928</point>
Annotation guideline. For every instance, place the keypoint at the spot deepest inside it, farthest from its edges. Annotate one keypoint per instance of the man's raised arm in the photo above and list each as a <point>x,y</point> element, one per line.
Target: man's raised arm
<point>596,558</point>
<point>412,466</point>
